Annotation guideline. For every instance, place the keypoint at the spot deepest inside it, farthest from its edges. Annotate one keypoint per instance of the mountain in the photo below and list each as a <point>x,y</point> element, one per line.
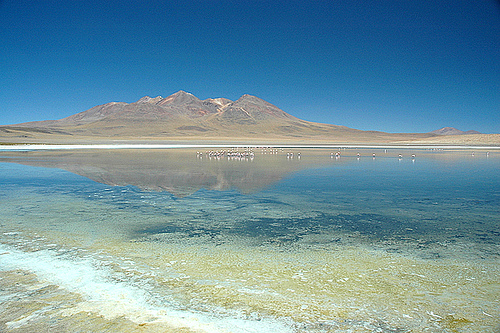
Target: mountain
<point>181,105</point>
<point>453,131</point>
<point>184,116</point>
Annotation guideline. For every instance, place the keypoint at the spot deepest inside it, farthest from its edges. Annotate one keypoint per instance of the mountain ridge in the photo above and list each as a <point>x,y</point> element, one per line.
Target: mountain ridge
<point>185,109</point>
<point>183,116</point>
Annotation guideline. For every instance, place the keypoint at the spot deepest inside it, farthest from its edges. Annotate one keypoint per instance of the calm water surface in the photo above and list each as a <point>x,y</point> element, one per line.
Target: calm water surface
<point>175,241</point>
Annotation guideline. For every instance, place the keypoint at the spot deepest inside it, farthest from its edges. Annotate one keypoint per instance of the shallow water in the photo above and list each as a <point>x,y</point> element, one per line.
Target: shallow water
<point>171,240</point>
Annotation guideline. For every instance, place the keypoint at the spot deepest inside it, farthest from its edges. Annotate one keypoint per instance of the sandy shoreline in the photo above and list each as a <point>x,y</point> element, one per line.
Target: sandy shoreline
<point>227,146</point>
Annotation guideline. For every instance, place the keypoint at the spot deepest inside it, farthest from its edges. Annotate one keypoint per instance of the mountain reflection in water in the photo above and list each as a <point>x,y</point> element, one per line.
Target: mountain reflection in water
<point>179,172</point>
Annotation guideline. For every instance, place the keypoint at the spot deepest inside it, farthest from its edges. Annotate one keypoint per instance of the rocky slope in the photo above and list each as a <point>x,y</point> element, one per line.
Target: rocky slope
<point>184,116</point>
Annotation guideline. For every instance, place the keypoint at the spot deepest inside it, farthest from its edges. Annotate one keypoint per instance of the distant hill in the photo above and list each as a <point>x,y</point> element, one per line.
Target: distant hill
<point>453,131</point>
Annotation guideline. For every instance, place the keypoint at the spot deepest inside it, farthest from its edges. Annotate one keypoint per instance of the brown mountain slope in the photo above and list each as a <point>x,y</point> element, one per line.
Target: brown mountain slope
<point>182,116</point>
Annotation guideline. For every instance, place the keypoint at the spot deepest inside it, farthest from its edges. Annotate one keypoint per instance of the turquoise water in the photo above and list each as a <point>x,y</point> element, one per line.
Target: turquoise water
<point>171,240</point>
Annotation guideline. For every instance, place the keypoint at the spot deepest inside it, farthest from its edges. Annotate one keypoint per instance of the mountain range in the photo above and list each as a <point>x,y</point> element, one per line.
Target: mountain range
<point>183,116</point>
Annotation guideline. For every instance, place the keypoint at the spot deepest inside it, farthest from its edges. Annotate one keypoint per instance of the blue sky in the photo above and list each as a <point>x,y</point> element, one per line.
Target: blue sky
<point>388,65</point>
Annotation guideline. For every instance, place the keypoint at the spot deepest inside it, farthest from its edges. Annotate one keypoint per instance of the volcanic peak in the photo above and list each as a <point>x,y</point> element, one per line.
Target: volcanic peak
<point>453,131</point>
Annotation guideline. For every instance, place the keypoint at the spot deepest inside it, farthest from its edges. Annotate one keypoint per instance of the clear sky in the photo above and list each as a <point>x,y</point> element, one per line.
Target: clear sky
<point>388,65</point>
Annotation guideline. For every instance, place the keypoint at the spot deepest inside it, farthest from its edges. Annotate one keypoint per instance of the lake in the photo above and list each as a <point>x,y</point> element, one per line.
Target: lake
<point>263,240</point>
